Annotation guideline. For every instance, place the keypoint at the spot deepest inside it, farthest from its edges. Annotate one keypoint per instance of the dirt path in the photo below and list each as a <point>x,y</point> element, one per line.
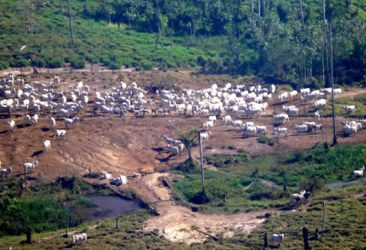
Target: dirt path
<point>180,224</point>
<point>353,92</point>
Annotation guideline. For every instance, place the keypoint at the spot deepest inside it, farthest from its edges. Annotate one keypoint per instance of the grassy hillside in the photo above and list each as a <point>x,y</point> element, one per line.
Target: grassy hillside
<point>95,42</point>
<point>239,183</point>
<point>273,42</point>
<point>345,229</point>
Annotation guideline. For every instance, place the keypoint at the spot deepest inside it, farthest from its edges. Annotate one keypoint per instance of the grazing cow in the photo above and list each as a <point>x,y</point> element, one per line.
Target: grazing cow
<point>278,238</point>
<point>11,125</point>
<point>47,145</point>
<point>53,122</point>
<point>30,166</point>
<point>349,109</point>
<point>5,172</point>
<point>79,238</point>
<point>320,104</point>
<point>35,119</point>
<point>280,131</point>
<point>60,133</point>
<point>296,197</point>
<point>358,173</point>
<point>280,118</point>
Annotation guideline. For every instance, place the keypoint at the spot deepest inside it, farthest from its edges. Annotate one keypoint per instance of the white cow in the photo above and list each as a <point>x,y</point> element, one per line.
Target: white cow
<point>320,104</point>
<point>298,196</point>
<point>47,145</point>
<point>278,238</point>
<point>358,173</point>
<point>30,166</point>
<point>79,238</point>
<point>60,133</point>
<point>349,109</point>
<point>53,122</point>
<point>11,125</point>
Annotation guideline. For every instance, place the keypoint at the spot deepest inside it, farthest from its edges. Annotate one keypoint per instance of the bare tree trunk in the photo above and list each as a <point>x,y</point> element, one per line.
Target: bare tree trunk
<point>201,163</point>
<point>323,70</point>
<point>303,73</point>
<point>70,22</point>
<point>252,6</point>
<point>259,8</point>
<point>332,83</point>
<point>326,54</point>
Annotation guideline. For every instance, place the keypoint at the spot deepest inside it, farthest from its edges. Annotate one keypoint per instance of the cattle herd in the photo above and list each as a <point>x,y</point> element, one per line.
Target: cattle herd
<point>230,105</point>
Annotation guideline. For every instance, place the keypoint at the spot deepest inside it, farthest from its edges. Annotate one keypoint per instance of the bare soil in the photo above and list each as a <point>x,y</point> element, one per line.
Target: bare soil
<point>132,145</point>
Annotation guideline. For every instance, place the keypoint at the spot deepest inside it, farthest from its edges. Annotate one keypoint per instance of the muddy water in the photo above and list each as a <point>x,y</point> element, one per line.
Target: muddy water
<point>110,206</point>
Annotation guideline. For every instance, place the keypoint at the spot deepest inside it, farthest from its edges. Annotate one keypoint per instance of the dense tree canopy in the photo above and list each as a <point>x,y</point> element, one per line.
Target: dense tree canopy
<point>277,39</point>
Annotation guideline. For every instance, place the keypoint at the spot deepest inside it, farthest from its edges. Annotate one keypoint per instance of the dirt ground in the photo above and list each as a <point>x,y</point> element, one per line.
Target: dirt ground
<point>132,145</point>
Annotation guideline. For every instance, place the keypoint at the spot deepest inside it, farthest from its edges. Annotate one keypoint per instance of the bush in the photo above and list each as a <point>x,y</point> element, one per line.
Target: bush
<point>20,62</point>
<point>3,65</point>
<point>39,62</point>
<point>188,166</point>
<point>77,63</point>
<point>39,214</point>
<point>201,61</point>
<point>55,62</point>
<point>267,140</point>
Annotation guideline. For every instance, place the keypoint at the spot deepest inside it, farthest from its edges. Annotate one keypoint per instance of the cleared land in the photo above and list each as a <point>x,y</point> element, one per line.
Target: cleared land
<point>132,145</point>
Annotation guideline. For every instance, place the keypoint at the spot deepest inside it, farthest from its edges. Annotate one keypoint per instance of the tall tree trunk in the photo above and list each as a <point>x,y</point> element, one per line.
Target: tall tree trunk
<point>201,163</point>
<point>259,8</point>
<point>70,22</point>
<point>332,83</point>
<point>252,6</point>
<point>303,35</point>
<point>326,52</point>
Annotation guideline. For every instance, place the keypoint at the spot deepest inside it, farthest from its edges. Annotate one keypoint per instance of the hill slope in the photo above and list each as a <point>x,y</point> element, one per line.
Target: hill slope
<point>271,39</point>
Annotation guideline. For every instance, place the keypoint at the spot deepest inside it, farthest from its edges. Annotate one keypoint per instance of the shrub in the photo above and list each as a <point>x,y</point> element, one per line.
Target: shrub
<point>77,63</point>
<point>267,140</point>
<point>39,62</point>
<point>56,62</point>
<point>3,65</point>
<point>188,166</point>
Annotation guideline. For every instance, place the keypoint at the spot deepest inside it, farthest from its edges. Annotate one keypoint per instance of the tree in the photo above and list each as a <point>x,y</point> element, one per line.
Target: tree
<point>188,138</point>
<point>70,21</point>
<point>30,7</point>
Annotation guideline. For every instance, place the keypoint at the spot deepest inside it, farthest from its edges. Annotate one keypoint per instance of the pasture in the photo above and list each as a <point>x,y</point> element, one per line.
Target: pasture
<point>120,129</point>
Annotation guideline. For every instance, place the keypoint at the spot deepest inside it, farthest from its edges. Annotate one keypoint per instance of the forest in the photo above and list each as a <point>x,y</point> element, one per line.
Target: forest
<point>299,42</point>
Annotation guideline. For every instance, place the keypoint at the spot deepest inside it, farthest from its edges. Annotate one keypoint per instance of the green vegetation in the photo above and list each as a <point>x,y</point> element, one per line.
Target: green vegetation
<point>345,228</point>
<point>267,140</point>
<point>359,102</point>
<point>233,37</point>
<point>345,222</point>
<point>42,206</point>
<point>241,183</point>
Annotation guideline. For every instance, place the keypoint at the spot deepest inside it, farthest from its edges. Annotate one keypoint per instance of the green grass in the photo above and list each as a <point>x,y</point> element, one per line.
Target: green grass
<point>345,229</point>
<point>310,169</point>
<point>41,206</point>
<point>95,42</point>
<point>345,222</point>
<point>359,101</point>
